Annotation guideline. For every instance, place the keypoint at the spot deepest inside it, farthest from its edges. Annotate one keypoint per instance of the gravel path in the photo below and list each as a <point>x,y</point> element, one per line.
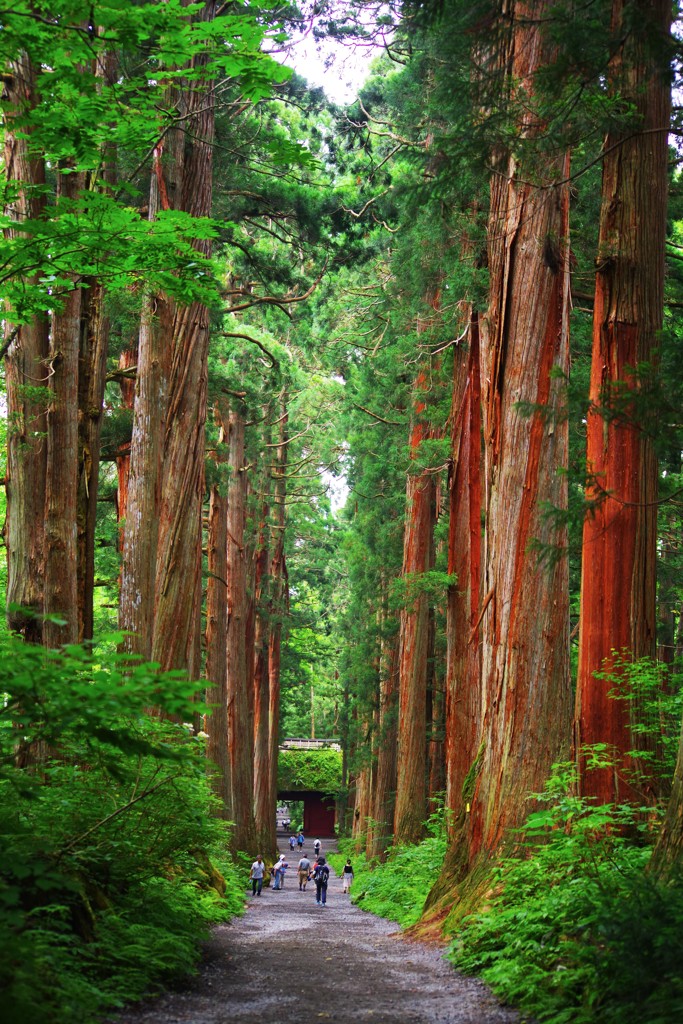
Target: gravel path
<point>287,960</point>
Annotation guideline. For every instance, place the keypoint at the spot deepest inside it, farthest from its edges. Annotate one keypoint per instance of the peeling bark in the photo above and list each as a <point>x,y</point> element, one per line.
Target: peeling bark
<point>279,598</point>
<point>618,585</point>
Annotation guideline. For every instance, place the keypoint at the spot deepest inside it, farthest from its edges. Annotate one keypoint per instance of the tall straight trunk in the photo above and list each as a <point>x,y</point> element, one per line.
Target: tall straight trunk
<point>92,367</point>
<point>158,593</point>
<point>384,783</point>
<point>239,726</point>
<point>620,532</point>
<point>182,480</point>
<point>216,630</point>
<point>279,598</point>
<point>524,343</point>
<point>263,812</point>
<point>411,802</point>
<point>61,483</point>
<point>140,541</point>
<point>463,648</point>
<point>25,363</point>
<point>361,810</point>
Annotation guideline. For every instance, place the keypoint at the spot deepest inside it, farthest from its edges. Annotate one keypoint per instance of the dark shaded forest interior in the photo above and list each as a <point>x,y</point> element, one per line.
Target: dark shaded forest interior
<point>343,465</point>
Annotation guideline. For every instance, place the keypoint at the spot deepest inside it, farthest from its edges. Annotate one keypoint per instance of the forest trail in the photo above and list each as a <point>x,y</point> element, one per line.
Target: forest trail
<point>288,959</point>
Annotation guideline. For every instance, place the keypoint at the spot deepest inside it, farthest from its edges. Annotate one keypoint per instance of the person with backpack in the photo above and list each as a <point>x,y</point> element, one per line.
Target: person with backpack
<point>321,877</point>
<point>300,840</point>
<point>316,847</point>
<point>280,867</point>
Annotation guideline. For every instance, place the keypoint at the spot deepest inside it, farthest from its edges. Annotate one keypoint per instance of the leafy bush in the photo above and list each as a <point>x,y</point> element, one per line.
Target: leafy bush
<point>398,888</point>
<point>108,842</point>
<point>576,931</point>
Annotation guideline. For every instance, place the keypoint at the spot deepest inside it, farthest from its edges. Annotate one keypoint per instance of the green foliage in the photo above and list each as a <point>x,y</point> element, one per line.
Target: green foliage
<point>575,931</point>
<point>310,769</point>
<point>398,888</point>
<point>113,866</point>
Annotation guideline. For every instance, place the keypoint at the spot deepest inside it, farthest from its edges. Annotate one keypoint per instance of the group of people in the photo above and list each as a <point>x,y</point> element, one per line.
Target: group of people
<point>318,872</point>
<point>297,840</point>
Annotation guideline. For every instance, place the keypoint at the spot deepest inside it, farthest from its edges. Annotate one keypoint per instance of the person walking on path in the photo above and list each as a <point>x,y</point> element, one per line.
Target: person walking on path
<point>300,841</point>
<point>256,874</point>
<point>280,867</point>
<point>292,842</point>
<point>316,847</point>
<point>347,877</point>
<point>304,869</point>
<point>321,877</point>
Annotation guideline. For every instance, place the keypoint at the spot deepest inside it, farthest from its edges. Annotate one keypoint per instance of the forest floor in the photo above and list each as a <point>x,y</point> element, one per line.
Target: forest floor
<point>288,959</point>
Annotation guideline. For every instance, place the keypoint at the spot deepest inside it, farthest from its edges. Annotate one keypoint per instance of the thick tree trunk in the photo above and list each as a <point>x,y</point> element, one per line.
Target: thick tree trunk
<point>384,782</point>
<point>61,484</point>
<point>411,802</point>
<point>25,364</point>
<point>463,653</point>
<point>239,726</point>
<point>620,532</point>
<point>523,621</point>
<point>216,631</point>
<point>141,531</point>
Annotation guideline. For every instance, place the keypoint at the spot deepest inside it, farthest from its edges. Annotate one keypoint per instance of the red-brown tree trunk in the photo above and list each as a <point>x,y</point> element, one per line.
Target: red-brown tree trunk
<point>463,648</point>
<point>411,800</point>
<point>239,725</point>
<point>524,617</point>
<point>620,532</point>
<point>216,631</point>
<point>25,364</point>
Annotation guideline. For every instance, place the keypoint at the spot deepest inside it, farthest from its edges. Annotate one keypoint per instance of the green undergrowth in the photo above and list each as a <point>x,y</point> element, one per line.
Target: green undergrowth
<point>576,932</point>
<point>397,888</point>
<point>113,866</point>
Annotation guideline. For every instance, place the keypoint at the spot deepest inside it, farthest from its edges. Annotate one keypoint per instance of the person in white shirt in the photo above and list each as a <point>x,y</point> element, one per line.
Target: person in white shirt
<point>256,875</point>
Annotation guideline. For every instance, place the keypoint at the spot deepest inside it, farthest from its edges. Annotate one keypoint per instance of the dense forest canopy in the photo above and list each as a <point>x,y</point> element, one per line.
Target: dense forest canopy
<point>344,421</point>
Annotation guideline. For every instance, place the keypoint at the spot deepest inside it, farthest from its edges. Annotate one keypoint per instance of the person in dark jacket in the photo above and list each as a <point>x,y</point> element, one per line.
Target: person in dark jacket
<point>321,877</point>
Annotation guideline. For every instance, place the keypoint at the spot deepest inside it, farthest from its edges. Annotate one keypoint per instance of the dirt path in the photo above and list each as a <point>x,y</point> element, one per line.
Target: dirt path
<point>289,960</point>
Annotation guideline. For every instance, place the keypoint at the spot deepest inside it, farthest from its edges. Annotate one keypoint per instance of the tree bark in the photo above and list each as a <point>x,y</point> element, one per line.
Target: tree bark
<point>25,364</point>
<point>239,725</point>
<point>61,484</point>
<point>411,800</point>
<point>667,857</point>
<point>216,631</point>
<point>263,811</point>
<point>618,586</point>
<point>463,647</point>
<point>279,599</point>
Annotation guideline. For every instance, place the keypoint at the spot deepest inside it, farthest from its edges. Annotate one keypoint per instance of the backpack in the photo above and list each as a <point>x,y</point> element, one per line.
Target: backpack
<point>322,874</point>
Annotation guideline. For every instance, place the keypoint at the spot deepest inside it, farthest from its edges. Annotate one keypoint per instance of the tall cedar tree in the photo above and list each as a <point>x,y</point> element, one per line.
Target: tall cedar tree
<point>618,585</point>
